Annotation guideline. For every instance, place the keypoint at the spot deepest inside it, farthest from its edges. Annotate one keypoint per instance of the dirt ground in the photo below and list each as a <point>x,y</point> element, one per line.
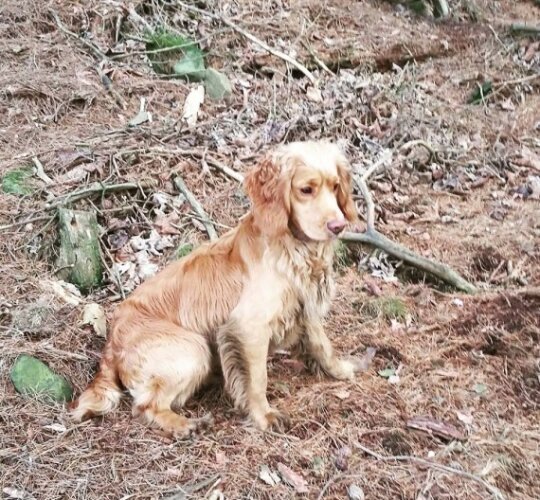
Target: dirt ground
<point>470,364</point>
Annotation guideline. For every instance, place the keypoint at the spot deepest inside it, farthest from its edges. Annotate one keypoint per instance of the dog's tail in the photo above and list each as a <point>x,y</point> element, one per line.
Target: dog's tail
<point>103,394</point>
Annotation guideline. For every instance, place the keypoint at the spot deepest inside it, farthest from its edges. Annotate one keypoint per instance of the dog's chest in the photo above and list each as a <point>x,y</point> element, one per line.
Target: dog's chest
<point>308,294</point>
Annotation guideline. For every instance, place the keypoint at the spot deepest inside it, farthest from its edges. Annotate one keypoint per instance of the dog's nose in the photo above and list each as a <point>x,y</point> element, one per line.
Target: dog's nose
<point>336,226</point>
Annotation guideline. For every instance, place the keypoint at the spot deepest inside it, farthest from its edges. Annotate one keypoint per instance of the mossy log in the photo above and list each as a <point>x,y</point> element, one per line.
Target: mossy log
<point>79,260</point>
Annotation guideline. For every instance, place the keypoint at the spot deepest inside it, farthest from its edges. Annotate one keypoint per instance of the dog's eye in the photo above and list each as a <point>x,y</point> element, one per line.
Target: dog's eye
<point>336,187</point>
<point>307,190</point>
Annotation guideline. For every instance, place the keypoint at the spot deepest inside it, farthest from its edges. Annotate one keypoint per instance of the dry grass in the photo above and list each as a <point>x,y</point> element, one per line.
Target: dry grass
<point>53,104</point>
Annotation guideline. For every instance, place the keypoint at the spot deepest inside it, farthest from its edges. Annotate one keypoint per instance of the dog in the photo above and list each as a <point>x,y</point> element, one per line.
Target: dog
<point>265,284</point>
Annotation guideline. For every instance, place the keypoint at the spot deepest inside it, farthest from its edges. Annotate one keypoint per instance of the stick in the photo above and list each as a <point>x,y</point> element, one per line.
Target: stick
<point>441,271</point>
<point>86,43</point>
<point>190,197</point>
<point>23,222</point>
<point>99,189</point>
<point>372,237</point>
<point>40,171</point>
<point>254,39</point>
<point>407,458</point>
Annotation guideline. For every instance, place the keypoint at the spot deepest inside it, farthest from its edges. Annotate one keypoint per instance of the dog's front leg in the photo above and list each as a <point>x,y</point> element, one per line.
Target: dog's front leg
<point>243,351</point>
<point>317,349</point>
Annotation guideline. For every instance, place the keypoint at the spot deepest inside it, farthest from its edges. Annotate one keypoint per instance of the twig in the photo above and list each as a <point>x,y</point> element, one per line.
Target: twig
<point>434,465</point>
<point>86,43</point>
<point>98,189</point>
<point>419,142</point>
<point>386,157</point>
<point>40,171</point>
<point>27,221</point>
<point>254,39</point>
<point>372,237</point>
<point>190,197</point>
<point>318,60</point>
<point>113,274</point>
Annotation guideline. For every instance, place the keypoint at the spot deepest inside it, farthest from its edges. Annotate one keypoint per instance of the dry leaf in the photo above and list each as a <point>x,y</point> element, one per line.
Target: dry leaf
<point>355,492</point>
<point>192,105</point>
<point>342,458</point>
<point>343,394</point>
<point>314,94</point>
<point>68,292</point>
<point>436,427</point>
<point>164,222</point>
<point>269,477</point>
<point>94,315</point>
<point>293,479</point>
<point>363,363</point>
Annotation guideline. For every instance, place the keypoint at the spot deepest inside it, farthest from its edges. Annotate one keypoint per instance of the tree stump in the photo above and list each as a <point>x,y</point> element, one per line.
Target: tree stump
<point>79,260</point>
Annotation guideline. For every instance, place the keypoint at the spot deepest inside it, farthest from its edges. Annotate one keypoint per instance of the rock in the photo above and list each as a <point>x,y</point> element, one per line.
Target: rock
<point>217,84</point>
<point>32,377</point>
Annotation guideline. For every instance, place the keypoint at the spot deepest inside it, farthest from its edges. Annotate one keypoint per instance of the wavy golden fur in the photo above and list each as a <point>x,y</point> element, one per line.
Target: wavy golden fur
<point>265,284</point>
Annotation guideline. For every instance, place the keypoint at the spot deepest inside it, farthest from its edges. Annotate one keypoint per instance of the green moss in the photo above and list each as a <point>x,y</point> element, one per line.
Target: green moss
<point>183,250</point>
<point>343,257</point>
<point>18,181</point>
<point>386,307</point>
<point>184,58</point>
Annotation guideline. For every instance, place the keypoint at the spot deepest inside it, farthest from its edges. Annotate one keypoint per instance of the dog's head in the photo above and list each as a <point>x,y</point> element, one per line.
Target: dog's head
<point>303,187</point>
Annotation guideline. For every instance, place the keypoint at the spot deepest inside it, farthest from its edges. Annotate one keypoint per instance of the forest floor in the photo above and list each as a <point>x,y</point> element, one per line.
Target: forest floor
<point>465,366</point>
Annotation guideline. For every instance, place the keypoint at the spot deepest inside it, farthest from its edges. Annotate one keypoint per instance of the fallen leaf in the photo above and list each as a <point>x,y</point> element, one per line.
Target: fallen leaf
<point>216,495</point>
<point>142,116</point>
<point>439,428</point>
<point>68,292</point>
<point>192,105</point>
<point>293,479</point>
<point>164,223</point>
<point>55,427</point>
<point>314,94</point>
<point>15,493</point>
<point>480,389</point>
<point>466,419</point>
<point>269,477</point>
<point>394,379</point>
<point>355,492</point>
<point>221,458</point>
<point>372,287</point>
<point>343,394</point>
<point>387,373</point>
<point>342,458</point>
<point>94,315</point>
<point>363,363</point>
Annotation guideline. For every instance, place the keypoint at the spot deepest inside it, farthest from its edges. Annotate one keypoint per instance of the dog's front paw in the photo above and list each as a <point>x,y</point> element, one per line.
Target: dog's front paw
<point>272,420</point>
<point>342,369</point>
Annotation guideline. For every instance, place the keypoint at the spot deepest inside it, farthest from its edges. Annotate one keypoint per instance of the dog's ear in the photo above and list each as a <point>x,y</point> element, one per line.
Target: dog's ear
<point>268,186</point>
<point>344,194</point>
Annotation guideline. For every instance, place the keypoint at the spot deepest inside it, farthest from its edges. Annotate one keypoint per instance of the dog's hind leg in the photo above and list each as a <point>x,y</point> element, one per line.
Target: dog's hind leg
<point>172,370</point>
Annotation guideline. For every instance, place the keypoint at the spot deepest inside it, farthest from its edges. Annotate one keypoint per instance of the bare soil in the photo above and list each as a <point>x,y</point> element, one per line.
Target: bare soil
<point>471,362</point>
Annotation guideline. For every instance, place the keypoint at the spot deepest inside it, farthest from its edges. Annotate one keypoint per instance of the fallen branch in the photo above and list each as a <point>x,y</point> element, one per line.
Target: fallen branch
<point>524,29</point>
<point>372,237</point>
<point>197,207</point>
<point>495,492</point>
<point>253,38</point>
<point>97,189</point>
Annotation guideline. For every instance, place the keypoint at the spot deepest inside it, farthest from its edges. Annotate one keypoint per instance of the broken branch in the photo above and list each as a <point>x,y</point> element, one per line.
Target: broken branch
<point>372,237</point>
<point>197,207</point>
